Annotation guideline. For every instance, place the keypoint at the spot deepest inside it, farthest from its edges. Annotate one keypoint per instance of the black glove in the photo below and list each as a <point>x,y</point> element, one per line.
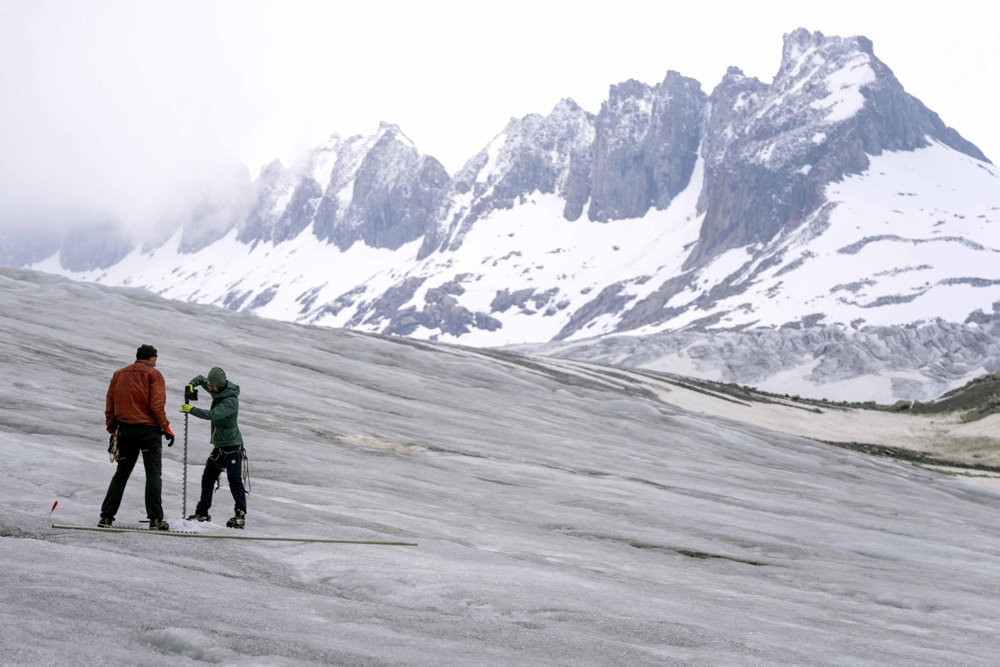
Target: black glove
<point>169,436</point>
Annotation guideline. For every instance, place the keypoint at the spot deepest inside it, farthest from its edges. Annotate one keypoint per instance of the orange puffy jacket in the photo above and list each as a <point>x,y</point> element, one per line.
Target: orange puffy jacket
<point>136,395</point>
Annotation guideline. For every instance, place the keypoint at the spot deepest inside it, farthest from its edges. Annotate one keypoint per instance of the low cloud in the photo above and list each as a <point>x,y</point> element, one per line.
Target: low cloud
<point>110,118</point>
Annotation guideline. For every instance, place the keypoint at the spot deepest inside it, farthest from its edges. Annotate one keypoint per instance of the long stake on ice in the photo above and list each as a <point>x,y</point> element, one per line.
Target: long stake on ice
<point>224,536</point>
<point>232,536</point>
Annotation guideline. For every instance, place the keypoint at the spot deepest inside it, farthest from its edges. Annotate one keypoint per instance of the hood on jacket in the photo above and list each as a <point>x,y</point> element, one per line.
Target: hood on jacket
<point>228,390</point>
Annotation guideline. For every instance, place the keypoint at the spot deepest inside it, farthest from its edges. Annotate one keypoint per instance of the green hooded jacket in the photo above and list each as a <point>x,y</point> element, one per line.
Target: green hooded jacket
<point>223,413</point>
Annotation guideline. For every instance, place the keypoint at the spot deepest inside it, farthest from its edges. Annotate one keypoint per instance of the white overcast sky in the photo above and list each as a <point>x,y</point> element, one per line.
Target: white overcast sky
<point>117,107</point>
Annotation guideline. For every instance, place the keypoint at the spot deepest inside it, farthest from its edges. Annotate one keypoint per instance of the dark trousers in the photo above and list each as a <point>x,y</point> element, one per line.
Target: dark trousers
<point>132,439</point>
<point>229,459</point>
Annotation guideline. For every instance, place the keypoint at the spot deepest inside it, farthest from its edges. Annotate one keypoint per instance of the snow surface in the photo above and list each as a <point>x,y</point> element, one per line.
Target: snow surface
<point>845,98</point>
<point>883,218</point>
<point>565,514</point>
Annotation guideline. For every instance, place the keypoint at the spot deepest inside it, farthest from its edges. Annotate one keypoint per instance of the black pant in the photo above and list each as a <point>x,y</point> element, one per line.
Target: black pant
<point>132,439</point>
<point>229,459</point>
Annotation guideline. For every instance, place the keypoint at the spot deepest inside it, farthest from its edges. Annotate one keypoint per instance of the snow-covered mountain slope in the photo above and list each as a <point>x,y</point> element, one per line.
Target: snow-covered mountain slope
<point>565,514</point>
<point>898,244</point>
<point>912,241</point>
<point>827,198</point>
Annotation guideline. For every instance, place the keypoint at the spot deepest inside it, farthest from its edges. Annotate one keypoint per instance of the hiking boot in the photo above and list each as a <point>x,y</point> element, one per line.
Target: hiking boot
<point>239,520</point>
<point>200,517</point>
<point>158,524</point>
<point>105,522</point>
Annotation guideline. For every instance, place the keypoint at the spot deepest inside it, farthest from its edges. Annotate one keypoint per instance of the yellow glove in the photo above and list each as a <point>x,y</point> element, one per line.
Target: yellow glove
<point>185,408</point>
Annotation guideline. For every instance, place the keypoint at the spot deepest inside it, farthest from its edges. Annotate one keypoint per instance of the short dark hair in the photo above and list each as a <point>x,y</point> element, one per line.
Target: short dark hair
<point>145,352</point>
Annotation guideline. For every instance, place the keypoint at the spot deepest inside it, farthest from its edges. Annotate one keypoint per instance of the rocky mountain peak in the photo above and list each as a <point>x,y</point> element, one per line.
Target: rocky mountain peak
<point>547,154</point>
<point>377,189</point>
<point>384,193</point>
<point>646,146</point>
<point>771,150</point>
<point>385,127</point>
<point>801,42</point>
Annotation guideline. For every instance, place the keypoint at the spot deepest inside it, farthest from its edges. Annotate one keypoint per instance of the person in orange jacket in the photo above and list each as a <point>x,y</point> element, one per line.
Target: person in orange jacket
<point>134,413</point>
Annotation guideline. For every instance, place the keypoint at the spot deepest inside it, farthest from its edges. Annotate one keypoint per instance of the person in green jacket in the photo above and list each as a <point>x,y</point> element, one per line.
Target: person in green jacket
<point>227,445</point>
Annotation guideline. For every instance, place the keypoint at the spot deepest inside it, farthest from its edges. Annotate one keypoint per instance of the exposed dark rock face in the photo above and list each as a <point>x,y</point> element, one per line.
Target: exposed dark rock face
<point>397,194</point>
<point>299,212</point>
<point>441,311</point>
<point>527,301</point>
<point>653,308</point>
<point>609,300</point>
<point>387,304</point>
<point>646,146</point>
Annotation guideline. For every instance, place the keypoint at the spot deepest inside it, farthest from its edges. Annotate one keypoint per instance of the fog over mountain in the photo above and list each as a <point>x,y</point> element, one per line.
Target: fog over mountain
<point>829,206</point>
